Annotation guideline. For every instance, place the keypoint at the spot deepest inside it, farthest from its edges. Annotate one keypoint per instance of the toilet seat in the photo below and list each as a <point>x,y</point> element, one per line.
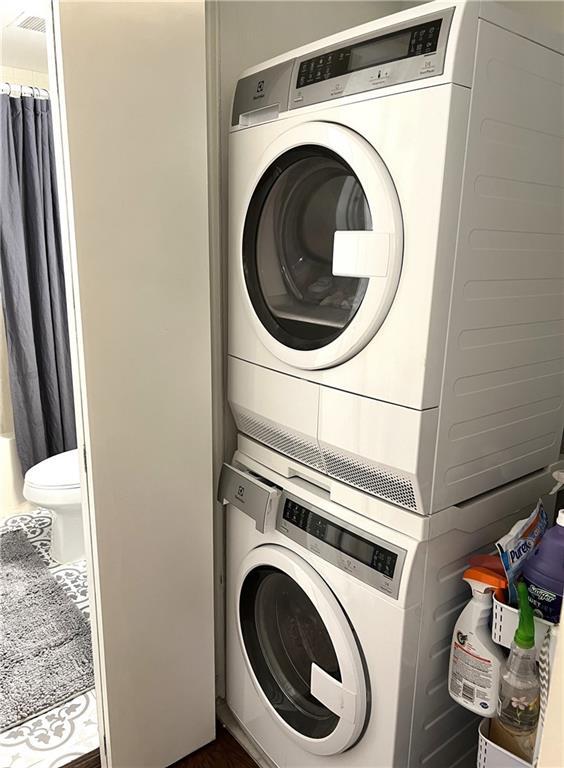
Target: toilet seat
<point>54,481</point>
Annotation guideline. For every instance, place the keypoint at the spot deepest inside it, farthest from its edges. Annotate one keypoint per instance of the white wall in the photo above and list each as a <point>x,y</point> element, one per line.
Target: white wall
<point>19,76</point>
<point>547,13</point>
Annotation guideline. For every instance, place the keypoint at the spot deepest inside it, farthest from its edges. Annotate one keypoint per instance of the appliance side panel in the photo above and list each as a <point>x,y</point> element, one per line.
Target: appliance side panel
<point>501,404</point>
<point>451,182</point>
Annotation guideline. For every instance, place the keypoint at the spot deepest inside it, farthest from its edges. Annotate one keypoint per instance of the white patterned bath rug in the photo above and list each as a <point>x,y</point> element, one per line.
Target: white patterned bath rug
<point>45,642</point>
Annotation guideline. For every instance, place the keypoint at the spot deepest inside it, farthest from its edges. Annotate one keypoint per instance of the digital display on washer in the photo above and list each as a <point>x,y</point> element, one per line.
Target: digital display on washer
<point>363,550</point>
<point>414,41</point>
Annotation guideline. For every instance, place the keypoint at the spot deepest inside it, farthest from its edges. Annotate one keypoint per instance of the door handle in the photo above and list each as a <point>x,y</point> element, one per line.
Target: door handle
<point>332,694</point>
<point>361,254</point>
<point>253,495</point>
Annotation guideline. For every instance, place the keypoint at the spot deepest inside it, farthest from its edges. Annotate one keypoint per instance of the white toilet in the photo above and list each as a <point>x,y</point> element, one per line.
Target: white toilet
<point>54,484</point>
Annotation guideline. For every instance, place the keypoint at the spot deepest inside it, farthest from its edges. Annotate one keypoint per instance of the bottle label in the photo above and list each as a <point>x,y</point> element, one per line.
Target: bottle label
<point>518,709</point>
<point>471,675</point>
<point>545,603</point>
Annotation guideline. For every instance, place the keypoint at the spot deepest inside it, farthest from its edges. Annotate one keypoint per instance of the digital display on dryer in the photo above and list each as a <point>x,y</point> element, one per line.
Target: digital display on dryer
<point>365,551</point>
<point>414,41</point>
<point>379,51</point>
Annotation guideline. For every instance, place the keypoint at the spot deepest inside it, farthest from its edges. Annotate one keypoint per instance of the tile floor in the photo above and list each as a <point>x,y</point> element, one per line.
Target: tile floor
<point>70,730</point>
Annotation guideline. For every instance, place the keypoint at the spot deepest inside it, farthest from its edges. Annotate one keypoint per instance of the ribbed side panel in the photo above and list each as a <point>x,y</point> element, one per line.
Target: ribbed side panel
<point>447,730</point>
<point>502,406</point>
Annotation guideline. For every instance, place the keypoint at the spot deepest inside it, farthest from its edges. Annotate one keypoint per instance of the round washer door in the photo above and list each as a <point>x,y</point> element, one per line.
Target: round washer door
<point>322,245</point>
<point>300,651</point>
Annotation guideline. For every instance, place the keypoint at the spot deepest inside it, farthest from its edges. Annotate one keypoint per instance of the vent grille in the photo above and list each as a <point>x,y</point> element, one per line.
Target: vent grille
<point>368,478</point>
<point>32,23</point>
<point>285,442</point>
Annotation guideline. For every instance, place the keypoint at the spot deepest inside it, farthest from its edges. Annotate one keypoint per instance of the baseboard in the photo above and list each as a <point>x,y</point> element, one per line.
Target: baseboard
<point>90,760</point>
<point>20,509</point>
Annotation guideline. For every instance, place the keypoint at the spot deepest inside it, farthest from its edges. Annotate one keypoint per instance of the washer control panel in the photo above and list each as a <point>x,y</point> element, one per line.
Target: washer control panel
<point>402,53</point>
<point>368,558</point>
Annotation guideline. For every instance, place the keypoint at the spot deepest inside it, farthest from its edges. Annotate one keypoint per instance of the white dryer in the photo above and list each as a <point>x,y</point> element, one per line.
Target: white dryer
<point>395,254</point>
<point>339,627</point>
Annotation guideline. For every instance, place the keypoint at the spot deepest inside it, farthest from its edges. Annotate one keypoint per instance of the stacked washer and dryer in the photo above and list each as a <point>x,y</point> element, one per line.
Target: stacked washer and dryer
<point>395,368</point>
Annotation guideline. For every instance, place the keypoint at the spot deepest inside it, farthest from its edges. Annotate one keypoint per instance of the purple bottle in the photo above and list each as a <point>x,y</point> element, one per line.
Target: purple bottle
<point>544,573</point>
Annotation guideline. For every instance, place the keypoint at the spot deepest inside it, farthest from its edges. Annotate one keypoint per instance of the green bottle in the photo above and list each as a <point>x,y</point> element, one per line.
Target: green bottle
<point>519,696</point>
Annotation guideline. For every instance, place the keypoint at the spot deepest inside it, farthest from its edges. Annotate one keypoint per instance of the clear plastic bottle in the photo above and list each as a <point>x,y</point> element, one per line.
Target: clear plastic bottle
<point>515,726</point>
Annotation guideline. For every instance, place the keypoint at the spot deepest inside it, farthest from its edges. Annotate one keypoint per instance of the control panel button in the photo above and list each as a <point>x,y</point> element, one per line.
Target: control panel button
<point>427,67</point>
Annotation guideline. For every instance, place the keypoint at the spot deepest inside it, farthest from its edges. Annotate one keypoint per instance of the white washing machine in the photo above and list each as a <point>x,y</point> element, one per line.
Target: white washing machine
<point>339,626</point>
<point>395,253</point>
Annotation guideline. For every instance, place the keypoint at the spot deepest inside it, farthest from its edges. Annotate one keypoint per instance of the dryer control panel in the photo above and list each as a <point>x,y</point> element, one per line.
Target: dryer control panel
<point>368,558</point>
<point>402,53</point>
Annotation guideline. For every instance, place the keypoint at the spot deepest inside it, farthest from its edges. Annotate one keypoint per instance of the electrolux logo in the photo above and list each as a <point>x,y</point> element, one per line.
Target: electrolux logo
<point>259,94</point>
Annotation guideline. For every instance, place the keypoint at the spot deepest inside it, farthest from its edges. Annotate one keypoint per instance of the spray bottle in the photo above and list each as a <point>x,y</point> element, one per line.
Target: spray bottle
<point>515,726</point>
<point>475,660</point>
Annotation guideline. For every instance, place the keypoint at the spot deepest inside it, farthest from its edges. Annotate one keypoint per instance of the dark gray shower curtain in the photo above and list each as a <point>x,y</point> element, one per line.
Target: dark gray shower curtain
<point>32,282</point>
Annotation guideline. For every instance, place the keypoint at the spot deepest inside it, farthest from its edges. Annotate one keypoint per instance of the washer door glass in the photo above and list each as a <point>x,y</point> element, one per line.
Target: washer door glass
<point>303,198</point>
<point>284,635</point>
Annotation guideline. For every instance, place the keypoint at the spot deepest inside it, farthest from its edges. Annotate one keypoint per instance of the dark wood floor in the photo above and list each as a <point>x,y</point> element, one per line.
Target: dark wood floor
<point>224,752</point>
<point>91,760</point>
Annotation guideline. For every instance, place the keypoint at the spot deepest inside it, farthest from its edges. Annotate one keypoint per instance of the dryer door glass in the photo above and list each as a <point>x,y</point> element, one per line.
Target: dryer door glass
<point>284,636</point>
<point>303,198</point>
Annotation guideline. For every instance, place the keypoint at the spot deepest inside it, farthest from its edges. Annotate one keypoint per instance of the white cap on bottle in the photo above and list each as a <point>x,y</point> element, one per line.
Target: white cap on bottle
<point>560,518</point>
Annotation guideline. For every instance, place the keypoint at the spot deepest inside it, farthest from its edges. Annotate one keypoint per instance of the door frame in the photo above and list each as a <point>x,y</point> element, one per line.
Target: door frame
<point>347,698</point>
<point>386,236</point>
<point>68,245</point>
<point>199,729</point>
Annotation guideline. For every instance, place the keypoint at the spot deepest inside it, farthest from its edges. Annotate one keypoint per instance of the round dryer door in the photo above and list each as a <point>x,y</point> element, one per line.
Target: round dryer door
<point>301,652</point>
<point>321,245</point>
